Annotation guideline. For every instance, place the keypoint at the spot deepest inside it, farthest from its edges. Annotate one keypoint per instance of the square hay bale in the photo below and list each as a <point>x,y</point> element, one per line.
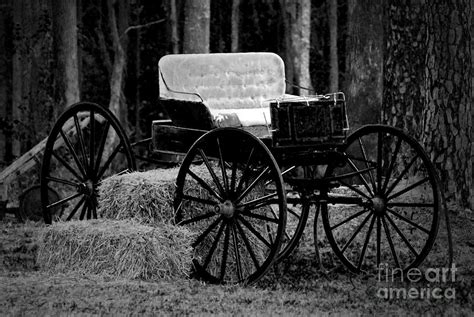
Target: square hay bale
<point>116,248</point>
<point>146,197</point>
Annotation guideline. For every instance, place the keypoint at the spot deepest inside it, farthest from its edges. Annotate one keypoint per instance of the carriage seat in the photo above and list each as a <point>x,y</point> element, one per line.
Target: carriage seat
<point>236,88</point>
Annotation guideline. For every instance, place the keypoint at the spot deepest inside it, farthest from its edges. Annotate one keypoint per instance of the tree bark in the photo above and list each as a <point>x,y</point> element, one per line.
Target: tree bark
<point>197,16</point>
<point>32,62</point>
<point>364,61</point>
<point>235,26</point>
<point>5,82</point>
<point>118,23</point>
<point>173,21</point>
<point>404,64</point>
<point>447,129</point>
<point>333,58</point>
<point>65,38</point>
<point>297,25</point>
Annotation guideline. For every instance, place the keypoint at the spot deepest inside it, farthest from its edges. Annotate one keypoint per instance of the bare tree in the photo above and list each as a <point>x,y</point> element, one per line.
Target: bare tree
<point>364,61</point>
<point>65,39</point>
<point>197,16</point>
<point>297,24</point>
<point>235,25</point>
<point>333,58</point>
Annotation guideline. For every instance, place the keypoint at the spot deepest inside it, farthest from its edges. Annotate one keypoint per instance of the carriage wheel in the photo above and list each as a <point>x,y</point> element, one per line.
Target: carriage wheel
<point>296,219</point>
<point>86,145</point>
<point>230,192</point>
<point>393,221</point>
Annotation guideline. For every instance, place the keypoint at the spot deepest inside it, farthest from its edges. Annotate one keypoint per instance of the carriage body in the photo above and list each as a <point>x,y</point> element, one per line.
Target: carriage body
<point>201,92</point>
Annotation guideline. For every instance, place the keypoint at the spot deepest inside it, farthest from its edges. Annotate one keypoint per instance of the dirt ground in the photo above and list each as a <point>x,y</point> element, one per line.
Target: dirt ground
<point>298,286</point>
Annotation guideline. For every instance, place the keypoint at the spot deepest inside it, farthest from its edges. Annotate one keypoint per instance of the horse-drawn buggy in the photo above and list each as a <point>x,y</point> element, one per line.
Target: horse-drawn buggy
<point>255,162</point>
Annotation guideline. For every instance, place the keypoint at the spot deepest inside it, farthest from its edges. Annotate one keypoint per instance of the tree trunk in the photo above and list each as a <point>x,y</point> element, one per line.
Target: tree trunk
<point>364,62</point>
<point>118,23</point>
<point>196,26</point>
<point>5,82</point>
<point>65,38</point>
<point>173,26</point>
<point>447,131</point>
<point>297,25</point>
<point>31,74</point>
<point>404,65</point>
<point>235,26</point>
<point>333,59</point>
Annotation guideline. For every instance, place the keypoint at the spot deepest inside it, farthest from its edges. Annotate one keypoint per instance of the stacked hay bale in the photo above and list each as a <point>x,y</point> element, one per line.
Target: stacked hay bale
<point>135,239</point>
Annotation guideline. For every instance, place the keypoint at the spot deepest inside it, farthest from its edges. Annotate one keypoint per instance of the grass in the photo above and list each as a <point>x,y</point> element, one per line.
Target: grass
<point>295,287</point>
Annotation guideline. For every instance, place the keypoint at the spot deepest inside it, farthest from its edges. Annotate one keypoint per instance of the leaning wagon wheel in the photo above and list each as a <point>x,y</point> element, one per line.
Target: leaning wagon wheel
<point>86,145</point>
<point>230,192</point>
<point>395,222</point>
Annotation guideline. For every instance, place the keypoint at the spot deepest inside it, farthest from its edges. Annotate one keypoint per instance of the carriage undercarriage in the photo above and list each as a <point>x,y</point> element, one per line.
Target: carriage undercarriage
<point>247,189</point>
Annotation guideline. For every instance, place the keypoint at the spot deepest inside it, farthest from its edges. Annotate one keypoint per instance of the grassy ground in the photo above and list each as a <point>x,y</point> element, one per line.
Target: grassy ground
<point>298,286</point>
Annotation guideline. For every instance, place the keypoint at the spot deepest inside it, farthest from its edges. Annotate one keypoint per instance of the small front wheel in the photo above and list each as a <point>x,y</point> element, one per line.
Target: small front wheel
<point>230,192</point>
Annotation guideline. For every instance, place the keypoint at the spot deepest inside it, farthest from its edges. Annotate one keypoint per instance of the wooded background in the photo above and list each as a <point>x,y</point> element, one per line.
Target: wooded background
<point>400,62</point>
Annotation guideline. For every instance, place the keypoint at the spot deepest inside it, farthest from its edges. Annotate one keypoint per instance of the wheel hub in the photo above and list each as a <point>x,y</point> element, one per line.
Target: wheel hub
<point>87,187</point>
<point>379,205</point>
<point>227,209</point>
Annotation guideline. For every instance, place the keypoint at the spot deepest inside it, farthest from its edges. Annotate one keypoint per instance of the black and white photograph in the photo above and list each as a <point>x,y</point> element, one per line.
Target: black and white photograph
<point>236,158</point>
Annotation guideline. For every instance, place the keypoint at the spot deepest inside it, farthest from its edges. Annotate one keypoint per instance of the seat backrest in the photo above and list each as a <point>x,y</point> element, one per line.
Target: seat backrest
<point>223,80</point>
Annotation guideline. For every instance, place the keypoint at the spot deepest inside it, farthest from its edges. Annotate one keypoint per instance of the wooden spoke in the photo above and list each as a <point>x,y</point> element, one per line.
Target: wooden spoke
<point>412,249</point>
<point>349,218</point>
<point>109,161</point>
<point>255,232</point>
<point>225,252</point>
<point>259,202</point>
<point>67,166</point>
<point>197,218</point>
<point>379,161</point>
<point>76,207</point>
<point>366,242</point>
<point>253,184</point>
<point>392,163</point>
<point>222,164</point>
<point>81,141</point>
<point>407,189</point>
<point>206,232</point>
<point>361,177</point>
<point>257,216</point>
<point>62,181</point>
<point>237,254</point>
<point>356,232</point>
<point>200,200</point>
<point>399,178</point>
<point>248,245</point>
<point>100,150</point>
<point>91,141</point>
<point>245,171</point>
<point>408,221</point>
<point>205,185</point>
<point>73,153</point>
<point>390,242</point>
<point>62,201</point>
<point>362,149</point>
<point>214,245</point>
<point>211,172</point>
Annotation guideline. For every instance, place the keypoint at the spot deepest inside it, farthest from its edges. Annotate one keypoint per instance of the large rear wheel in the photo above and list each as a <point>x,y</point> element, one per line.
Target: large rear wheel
<point>389,213</point>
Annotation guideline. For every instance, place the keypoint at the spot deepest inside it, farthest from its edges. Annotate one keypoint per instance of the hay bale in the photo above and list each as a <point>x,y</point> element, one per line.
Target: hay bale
<point>146,197</point>
<point>116,248</point>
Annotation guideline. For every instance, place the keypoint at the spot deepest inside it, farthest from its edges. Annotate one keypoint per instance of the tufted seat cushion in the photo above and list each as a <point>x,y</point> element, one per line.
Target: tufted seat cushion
<point>236,87</point>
